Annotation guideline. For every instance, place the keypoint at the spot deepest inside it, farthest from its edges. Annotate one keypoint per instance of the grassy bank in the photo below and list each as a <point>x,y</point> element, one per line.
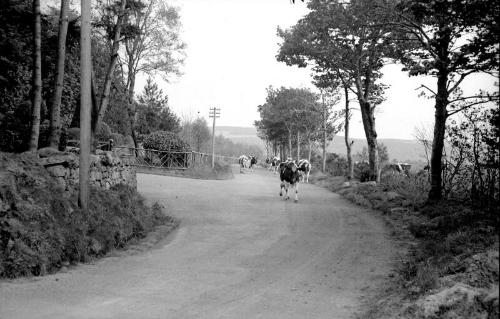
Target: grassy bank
<point>42,229</point>
<point>450,269</point>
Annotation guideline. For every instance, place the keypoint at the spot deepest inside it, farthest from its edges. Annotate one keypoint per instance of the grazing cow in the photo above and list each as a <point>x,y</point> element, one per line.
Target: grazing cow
<point>289,177</point>
<point>253,161</point>
<point>244,162</point>
<point>304,169</point>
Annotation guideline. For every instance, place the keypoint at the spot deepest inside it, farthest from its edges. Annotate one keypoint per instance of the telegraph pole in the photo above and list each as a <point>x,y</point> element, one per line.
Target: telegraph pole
<point>214,113</point>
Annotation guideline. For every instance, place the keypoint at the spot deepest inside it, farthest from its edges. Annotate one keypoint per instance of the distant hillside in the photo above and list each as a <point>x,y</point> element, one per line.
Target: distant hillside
<point>402,150</point>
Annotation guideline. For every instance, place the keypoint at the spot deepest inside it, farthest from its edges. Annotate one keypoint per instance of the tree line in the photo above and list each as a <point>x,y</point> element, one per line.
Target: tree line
<point>347,43</point>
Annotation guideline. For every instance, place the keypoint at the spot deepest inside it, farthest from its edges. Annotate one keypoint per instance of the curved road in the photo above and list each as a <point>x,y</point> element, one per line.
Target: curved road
<point>241,252</point>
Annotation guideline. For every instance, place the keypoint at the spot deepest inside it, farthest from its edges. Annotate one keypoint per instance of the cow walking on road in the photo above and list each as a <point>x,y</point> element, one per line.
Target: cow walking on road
<point>253,161</point>
<point>304,169</point>
<point>289,177</point>
<point>244,162</point>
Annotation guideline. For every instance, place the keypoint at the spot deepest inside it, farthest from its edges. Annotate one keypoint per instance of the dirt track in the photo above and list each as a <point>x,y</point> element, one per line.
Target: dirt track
<point>240,252</point>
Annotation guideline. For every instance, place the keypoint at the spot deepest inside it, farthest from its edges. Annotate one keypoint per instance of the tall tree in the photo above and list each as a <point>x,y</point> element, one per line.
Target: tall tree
<point>55,112</point>
<point>37,77</point>
<point>337,35</point>
<point>155,49</point>
<point>111,21</point>
<point>153,113</point>
<point>449,40</point>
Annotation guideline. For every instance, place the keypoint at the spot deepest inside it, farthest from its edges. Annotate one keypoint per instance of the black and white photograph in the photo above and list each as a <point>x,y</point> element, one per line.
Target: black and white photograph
<point>241,159</point>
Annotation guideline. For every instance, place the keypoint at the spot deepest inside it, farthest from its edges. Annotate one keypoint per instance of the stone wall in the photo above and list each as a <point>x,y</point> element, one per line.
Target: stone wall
<point>106,169</point>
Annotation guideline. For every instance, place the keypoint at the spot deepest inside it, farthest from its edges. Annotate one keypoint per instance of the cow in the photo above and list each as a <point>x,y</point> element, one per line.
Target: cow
<point>253,161</point>
<point>304,169</point>
<point>289,177</point>
<point>275,162</point>
<point>244,162</point>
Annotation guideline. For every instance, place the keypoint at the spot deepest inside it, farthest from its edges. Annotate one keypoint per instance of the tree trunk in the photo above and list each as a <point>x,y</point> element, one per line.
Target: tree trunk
<point>37,77</point>
<point>323,166</point>
<point>104,98</point>
<point>55,112</point>
<point>289,153</point>
<point>298,145</point>
<point>85,105</point>
<point>348,144</point>
<point>440,116</point>
<point>131,108</point>
<point>310,150</point>
<point>371,138</point>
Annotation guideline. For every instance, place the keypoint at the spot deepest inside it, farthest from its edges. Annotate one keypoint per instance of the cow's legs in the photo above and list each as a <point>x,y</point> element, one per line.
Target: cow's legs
<point>296,186</point>
<point>282,185</point>
<point>307,177</point>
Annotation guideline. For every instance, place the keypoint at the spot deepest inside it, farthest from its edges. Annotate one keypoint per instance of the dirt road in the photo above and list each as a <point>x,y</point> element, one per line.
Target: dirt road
<point>241,252</point>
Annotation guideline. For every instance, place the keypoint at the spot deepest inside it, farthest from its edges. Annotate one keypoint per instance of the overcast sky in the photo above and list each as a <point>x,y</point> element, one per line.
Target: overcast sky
<point>231,61</point>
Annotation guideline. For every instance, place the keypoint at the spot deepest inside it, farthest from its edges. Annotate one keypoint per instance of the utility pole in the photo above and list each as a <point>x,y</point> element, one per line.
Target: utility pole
<point>214,113</point>
<point>85,104</point>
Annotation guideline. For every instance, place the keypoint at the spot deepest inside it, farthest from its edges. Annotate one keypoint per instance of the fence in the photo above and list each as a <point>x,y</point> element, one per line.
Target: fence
<point>168,159</point>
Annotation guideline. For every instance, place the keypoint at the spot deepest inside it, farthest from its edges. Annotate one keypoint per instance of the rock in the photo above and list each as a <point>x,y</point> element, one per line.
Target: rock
<point>399,210</point>
<point>458,296</point>
<point>67,160</point>
<point>48,151</point>
<point>370,183</point>
<point>393,195</point>
<point>57,171</point>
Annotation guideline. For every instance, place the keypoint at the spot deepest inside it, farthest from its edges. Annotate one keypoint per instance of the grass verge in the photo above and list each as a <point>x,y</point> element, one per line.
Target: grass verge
<point>450,269</point>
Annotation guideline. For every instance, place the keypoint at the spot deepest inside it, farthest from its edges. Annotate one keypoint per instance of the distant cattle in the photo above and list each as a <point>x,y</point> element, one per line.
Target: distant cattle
<point>244,162</point>
<point>400,167</point>
<point>304,169</point>
<point>289,177</point>
<point>275,162</point>
<point>253,161</point>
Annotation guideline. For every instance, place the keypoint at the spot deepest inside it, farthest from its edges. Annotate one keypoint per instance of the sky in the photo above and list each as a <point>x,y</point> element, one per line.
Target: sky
<point>231,60</point>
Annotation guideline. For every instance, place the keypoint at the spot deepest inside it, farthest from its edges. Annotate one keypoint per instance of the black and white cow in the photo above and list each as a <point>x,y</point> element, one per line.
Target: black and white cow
<point>289,177</point>
<point>275,162</point>
<point>253,161</point>
<point>304,169</point>
<point>244,162</point>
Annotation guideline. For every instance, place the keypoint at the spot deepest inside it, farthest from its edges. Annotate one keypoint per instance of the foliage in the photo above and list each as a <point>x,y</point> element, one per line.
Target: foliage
<point>42,229</point>
<point>15,71</point>
<point>165,141</point>
<point>294,110</point>
<point>449,40</point>
<point>197,134</point>
<point>336,164</point>
<point>472,170</point>
<point>153,113</point>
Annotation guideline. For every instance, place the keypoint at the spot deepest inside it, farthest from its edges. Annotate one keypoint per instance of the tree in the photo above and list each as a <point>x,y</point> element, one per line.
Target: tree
<point>200,134</point>
<point>155,49</point>
<point>153,113</point>
<point>338,35</point>
<point>55,113</point>
<point>449,40</point>
<point>37,77</point>
<point>113,35</point>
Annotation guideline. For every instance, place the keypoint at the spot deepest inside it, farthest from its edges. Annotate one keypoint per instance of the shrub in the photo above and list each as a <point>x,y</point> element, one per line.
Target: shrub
<point>103,132</point>
<point>165,141</point>
<point>362,171</point>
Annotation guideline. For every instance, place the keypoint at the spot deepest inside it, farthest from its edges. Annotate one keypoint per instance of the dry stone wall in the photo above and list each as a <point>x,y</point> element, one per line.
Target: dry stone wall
<point>106,169</point>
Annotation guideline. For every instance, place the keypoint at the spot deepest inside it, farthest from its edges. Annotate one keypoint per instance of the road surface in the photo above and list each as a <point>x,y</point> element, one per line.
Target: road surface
<point>241,251</point>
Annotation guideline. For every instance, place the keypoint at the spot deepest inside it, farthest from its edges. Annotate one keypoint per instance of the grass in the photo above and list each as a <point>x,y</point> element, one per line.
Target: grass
<point>42,229</point>
<point>448,242</point>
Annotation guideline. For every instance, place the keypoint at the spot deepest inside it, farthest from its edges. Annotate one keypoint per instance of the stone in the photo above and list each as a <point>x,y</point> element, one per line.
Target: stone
<point>57,171</point>
<point>458,295</point>
<point>67,160</point>
<point>370,183</point>
<point>48,151</point>
<point>399,210</point>
<point>393,195</point>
